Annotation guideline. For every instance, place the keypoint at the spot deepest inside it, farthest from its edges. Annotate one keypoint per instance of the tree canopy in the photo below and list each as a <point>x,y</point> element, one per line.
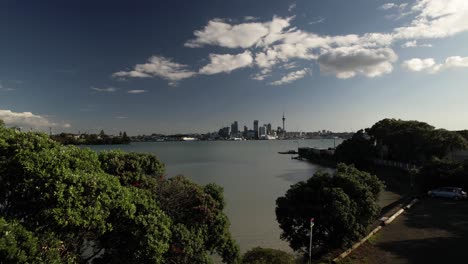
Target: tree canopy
<point>260,255</point>
<point>398,140</point>
<point>343,205</point>
<point>66,204</point>
<point>414,141</point>
<point>356,150</point>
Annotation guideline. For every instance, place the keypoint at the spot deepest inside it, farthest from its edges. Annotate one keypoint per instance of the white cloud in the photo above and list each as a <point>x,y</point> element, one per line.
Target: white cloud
<point>388,6</point>
<point>418,65</point>
<point>158,66</point>
<point>227,63</point>
<point>289,65</point>
<point>410,44</point>
<point>136,91</point>
<point>346,62</point>
<point>291,7</point>
<point>104,90</point>
<point>291,77</point>
<point>276,42</point>
<point>28,119</point>
<point>250,18</point>
<point>318,20</point>
<point>219,33</point>
<point>414,44</point>
<point>121,117</point>
<point>436,19</point>
<point>260,76</point>
<point>429,65</point>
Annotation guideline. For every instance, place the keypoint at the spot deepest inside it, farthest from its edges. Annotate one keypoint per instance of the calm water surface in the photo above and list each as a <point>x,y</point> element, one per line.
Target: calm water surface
<point>252,174</point>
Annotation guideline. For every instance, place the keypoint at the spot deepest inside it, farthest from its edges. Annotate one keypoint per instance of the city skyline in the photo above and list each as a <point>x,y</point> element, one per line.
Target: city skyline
<point>156,68</point>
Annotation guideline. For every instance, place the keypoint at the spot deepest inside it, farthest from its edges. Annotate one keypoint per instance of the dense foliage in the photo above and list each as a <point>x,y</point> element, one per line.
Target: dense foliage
<point>343,204</point>
<point>413,141</point>
<point>18,245</point>
<point>398,140</point>
<point>91,139</point>
<point>439,173</point>
<point>66,204</point>
<point>356,150</point>
<point>260,255</point>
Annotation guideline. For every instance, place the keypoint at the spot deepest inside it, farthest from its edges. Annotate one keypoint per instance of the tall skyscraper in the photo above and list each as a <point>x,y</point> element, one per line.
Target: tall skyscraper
<point>284,119</point>
<point>262,132</point>
<point>234,129</point>
<point>256,128</point>
<point>269,129</point>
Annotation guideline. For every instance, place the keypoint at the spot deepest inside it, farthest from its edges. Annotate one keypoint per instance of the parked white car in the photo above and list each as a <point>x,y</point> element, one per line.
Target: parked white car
<point>448,192</point>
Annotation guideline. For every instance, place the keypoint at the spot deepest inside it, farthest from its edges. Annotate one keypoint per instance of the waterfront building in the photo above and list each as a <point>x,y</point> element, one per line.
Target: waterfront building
<point>256,128</point>
<point>269,129</point>
<point>224,132</point>
<point>234,129</point>
<point>262,131</point>
<point>251,134</point>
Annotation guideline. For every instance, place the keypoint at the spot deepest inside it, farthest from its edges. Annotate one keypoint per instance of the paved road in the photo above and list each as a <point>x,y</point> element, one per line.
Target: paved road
<point>433,231</point>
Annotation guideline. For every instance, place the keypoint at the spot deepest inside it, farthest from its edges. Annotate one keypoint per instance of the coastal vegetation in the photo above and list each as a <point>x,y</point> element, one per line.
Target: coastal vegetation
<point>63,204</point>
<point>343,206</point>
<point>260,255</point>
<point>411,142</point>
<point>439,173</point>
<point>91,139</point>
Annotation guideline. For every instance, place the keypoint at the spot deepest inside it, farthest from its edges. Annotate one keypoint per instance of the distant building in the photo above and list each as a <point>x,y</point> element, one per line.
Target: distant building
<point>256,128</point>
<point>224,132</point>
<point>262,131</point>
<point>234,129</point>
<point>269,131</point>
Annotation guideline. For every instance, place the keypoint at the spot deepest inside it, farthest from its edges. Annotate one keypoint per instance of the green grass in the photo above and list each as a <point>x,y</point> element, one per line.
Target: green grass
<point>374,239</point>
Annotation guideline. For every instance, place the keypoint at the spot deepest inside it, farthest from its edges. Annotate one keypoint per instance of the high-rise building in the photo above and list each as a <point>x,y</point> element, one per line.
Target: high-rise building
<point>234,129</point>
<point>262,131</point>
<point>269,129</point>
<point>256,128</point>
<point>224,132</point>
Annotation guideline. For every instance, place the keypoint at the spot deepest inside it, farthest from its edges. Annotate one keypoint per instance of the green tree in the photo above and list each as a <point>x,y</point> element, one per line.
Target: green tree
<point>125,138</point>
<point>62,190</point>
<point>343,205</point>
<point>200,226</point>
<point>18,245</point>
<point>133,169</point>
<point>260,255</point>
<point>114,207</point>
<point>414,141</point>
<point>356,150</point>
<point>439,173</point>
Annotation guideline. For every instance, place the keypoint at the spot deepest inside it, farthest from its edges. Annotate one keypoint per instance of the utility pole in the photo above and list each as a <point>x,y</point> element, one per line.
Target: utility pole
<point>310,243</point>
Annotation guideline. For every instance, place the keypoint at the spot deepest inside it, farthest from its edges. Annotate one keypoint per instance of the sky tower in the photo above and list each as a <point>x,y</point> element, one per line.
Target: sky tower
<point>284,119</point>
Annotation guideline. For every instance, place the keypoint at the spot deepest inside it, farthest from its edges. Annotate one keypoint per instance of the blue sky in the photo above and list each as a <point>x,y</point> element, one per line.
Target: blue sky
<point>194,66</point>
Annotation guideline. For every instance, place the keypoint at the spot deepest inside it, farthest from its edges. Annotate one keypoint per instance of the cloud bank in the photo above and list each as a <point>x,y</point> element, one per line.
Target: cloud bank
<point>430,66</point>
<point>268,45</point>
<point>158,66</point>
<point>28,119</point>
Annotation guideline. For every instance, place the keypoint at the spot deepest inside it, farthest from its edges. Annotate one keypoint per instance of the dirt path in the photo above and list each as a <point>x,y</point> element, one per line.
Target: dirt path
<point>433,231</point>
